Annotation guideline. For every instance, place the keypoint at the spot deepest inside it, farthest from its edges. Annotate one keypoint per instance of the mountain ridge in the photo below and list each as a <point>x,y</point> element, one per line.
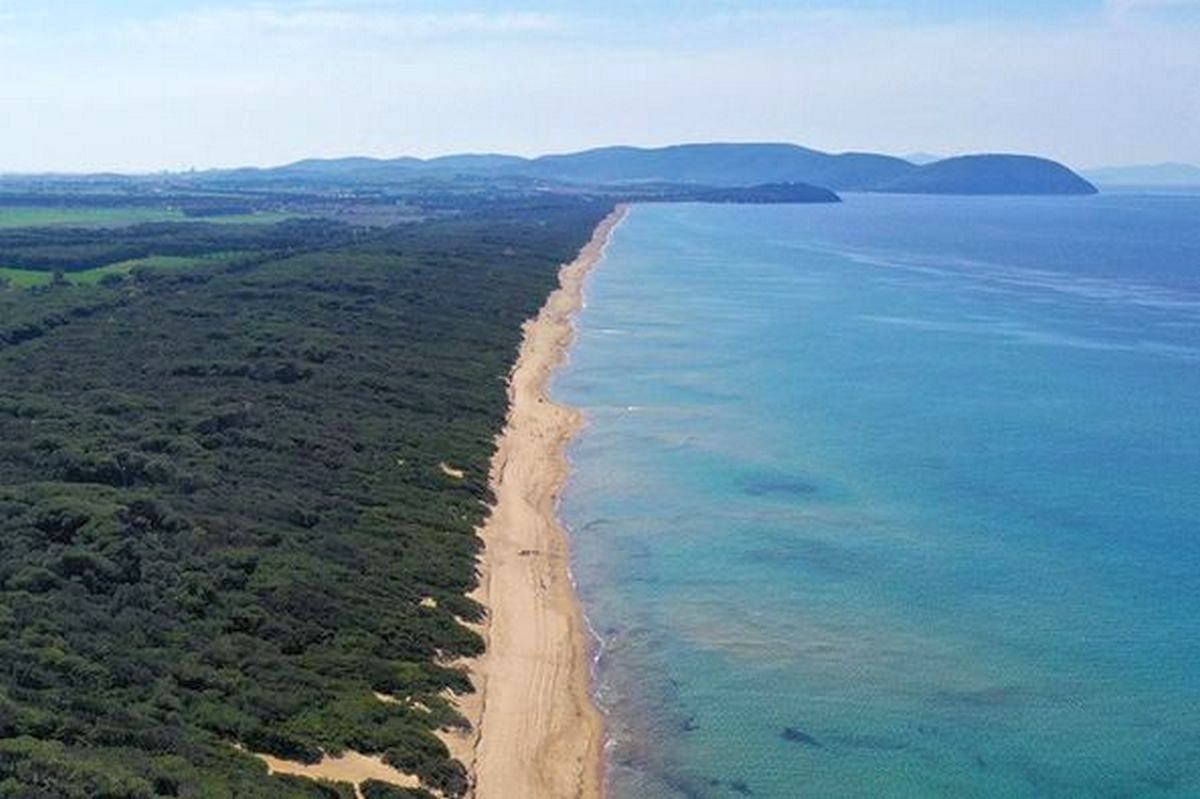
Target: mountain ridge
<point>991,174</point>
<point>728,164</point>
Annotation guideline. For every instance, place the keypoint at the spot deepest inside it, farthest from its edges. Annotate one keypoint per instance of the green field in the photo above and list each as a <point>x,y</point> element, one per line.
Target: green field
<point>91,276</point>
<point>28,278</point>
<point>42,216</point>
<point>24,278</point>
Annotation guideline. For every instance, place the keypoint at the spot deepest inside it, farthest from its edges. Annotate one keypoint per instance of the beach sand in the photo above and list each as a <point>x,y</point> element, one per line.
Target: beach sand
<point>538,734</point>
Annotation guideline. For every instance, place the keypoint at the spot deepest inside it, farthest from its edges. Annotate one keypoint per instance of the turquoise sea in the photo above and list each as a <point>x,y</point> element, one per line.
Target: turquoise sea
<point>894,498</point>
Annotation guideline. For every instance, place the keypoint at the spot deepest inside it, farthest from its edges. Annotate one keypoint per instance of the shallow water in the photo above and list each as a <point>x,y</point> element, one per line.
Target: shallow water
<point>897,497</point>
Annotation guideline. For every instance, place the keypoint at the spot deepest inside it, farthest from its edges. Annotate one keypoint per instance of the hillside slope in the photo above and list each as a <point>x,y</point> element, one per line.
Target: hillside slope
<point>990,174</point>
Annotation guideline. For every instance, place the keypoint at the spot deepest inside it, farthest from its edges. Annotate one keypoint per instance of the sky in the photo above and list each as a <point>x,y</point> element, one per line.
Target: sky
<point>145,85</point>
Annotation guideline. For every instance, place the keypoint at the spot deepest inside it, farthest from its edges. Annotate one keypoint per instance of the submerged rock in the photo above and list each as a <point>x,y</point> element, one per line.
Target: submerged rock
<point>799,737</point>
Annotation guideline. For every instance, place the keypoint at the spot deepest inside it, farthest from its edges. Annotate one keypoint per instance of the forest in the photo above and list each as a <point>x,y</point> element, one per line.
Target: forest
<point>222,507</point>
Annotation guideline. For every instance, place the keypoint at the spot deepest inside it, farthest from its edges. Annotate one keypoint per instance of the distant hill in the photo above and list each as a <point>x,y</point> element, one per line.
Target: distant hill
<point>718,165</point>
<point>336,169</point>
<point>1169,174</point>
<point>471,162</point>
<point>990,174</point>
<point>721,165</point>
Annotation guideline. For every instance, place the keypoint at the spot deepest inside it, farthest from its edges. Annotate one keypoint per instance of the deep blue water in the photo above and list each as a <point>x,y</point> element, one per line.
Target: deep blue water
<point>899,497</point>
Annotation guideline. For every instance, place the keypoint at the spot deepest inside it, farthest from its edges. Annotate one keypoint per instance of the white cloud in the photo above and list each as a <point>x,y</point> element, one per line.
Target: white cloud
<point>1123,8</point>
<point>331,21</point>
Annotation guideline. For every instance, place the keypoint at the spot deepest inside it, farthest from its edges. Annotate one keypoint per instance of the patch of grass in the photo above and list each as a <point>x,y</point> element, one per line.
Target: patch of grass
<point>24,278</point>
<point>29,278</point>
<point>172,262</point>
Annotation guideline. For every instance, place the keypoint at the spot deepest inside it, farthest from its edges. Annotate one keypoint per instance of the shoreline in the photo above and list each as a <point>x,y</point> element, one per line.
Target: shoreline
<point>537,731</point>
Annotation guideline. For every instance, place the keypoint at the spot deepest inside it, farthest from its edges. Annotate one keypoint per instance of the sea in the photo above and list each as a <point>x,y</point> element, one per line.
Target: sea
<point>898,497</point>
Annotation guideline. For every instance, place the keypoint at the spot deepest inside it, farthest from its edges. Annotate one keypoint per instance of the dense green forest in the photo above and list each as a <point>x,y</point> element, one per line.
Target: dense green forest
<point>221,501</point>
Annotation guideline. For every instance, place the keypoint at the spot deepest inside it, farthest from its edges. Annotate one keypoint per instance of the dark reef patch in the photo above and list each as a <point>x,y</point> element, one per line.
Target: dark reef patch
<point>798,736</point>
<point>778,485</point>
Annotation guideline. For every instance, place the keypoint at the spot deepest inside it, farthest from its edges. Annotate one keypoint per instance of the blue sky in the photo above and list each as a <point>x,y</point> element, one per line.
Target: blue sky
<point>151,84</point>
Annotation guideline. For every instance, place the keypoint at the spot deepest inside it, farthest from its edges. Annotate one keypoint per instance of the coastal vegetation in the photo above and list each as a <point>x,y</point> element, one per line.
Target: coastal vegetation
<point>223,507</point>
<point>765,194</point>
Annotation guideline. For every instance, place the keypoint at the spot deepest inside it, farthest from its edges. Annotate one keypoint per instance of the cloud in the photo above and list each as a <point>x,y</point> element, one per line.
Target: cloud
<point>329,21</point>
<point>1119,9</point>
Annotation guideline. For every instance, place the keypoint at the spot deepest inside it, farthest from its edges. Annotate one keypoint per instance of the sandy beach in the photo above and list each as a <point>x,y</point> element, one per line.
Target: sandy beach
<point>537,732</point>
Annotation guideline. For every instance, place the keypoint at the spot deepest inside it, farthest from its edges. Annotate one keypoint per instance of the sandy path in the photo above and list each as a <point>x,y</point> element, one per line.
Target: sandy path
<point>349,767</point>
<point>539,734</point>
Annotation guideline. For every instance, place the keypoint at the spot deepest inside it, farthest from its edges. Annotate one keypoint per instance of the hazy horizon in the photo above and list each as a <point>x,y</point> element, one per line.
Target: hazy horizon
<point>915,157</point>
<point>142,86</point>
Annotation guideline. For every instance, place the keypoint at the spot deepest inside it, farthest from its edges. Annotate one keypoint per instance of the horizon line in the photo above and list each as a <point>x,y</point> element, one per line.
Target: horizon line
<point>187,170</point>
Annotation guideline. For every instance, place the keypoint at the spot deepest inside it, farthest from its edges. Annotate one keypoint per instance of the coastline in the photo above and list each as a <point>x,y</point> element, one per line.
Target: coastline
<point>536,729</point>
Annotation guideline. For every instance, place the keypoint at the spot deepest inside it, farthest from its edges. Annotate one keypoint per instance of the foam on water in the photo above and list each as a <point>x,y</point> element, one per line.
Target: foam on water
<point>894,498</point>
